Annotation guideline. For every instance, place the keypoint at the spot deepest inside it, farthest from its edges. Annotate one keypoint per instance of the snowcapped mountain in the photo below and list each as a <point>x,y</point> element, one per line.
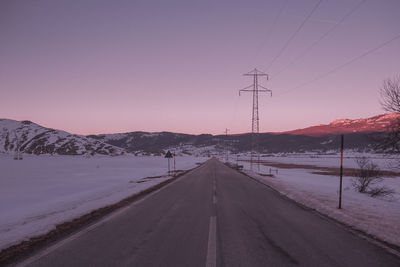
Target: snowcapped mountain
<point>380,123</point>
<point>35,139</point>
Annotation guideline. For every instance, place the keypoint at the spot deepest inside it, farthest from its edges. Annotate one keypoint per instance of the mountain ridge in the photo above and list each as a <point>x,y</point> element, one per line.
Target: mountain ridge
<point>32,138</point>
<point>378,123</point>
<point>36,139</point>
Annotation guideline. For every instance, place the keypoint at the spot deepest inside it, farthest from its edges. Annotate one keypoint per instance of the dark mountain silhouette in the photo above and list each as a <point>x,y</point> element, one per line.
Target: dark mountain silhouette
<point>35,139</point>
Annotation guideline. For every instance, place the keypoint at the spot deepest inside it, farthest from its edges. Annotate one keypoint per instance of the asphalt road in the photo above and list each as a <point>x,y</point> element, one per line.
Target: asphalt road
<point>215,216</point>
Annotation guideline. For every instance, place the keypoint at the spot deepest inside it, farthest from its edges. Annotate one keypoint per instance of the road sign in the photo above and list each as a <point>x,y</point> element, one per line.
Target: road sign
<point>169,155</point>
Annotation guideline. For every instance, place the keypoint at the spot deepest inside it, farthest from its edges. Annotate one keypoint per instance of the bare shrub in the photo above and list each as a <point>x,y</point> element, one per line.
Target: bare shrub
<point>368,176</point>
<point>380,191</point>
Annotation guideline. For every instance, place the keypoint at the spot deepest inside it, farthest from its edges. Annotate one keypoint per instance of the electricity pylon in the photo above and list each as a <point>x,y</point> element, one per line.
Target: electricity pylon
<point>226,145</point>
<point>255,122</point>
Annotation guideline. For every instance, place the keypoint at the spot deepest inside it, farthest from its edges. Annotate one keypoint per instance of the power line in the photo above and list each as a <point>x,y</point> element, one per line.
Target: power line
<point>271,29</point>
<point>234,113</point>
<point>307,50</point>
<point>294,34</point>
<point>319,77</point>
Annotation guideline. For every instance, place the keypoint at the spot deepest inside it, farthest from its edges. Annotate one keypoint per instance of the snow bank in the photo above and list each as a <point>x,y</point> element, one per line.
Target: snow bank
<point>40,192</point>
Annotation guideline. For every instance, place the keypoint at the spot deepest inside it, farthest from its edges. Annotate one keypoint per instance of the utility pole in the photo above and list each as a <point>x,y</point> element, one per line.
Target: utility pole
<point>255,124</point>
<point>226,144</point>
<point>174,162</point>
<point>341,171</point>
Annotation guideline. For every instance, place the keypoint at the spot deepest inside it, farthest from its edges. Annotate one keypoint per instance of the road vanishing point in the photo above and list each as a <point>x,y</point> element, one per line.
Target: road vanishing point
<point>214,216</point>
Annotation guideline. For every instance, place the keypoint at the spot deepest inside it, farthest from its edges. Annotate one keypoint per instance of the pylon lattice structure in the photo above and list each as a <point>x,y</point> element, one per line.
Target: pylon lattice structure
<point>226,145</point>
<point>255,88</point>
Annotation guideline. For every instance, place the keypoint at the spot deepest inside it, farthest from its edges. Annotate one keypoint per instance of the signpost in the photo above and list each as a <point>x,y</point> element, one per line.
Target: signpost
<point>169,156</point>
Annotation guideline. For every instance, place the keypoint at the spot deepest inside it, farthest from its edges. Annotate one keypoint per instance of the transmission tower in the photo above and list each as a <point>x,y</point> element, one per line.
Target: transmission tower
<point>226,145</point>
<point>255,122</point>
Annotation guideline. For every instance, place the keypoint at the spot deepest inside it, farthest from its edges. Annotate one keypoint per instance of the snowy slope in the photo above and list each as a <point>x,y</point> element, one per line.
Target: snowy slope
<point>35,139</point>
<point>380,123</point>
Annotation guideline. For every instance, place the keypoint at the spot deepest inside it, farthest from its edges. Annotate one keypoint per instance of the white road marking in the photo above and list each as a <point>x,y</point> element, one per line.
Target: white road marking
<point>214,199</point>
<point>211,260</point>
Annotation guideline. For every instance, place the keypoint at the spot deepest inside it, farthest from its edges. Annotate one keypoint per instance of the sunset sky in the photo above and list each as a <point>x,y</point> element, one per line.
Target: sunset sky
<point>94,66</point>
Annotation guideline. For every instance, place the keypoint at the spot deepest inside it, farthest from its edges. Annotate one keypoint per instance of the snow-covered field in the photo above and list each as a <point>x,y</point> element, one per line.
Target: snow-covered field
<point>38,192</point>
<point>333,160</point>
<point>379,217</point>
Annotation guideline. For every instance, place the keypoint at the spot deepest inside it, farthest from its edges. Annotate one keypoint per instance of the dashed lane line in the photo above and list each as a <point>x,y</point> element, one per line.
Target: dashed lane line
<point>211,260</point>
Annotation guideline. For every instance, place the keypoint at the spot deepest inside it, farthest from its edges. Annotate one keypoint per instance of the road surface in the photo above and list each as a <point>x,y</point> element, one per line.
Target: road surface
<point>215,216</point>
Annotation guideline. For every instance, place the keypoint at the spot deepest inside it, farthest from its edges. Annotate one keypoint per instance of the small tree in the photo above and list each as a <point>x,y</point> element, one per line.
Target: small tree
<point>390,101</point>
<point>390,94</point>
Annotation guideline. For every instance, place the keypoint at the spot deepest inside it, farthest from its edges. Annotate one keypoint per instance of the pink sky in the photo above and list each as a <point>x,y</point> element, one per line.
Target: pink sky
<point>115,66</point>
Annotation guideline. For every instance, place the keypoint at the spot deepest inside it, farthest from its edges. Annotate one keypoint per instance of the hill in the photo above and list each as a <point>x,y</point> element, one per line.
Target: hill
<point>378,123</point>
<point>35,139</point>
